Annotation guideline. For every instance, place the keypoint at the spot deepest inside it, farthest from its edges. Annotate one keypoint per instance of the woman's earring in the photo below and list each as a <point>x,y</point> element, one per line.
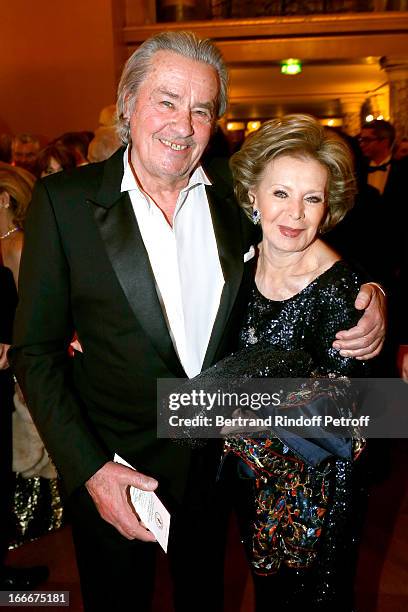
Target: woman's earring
<point>4,200</point>
<point>256,216</point>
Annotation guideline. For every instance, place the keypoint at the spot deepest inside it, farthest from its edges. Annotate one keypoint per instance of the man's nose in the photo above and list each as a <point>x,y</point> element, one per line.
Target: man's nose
<point>183,123</point>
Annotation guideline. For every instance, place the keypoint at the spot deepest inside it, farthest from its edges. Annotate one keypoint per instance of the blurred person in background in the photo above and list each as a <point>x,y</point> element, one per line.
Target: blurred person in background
<point>54,158</point>
<point>382,171</point>
<point>108,116</point>
<point>5,148</point>
<point>389,177</point>
<point>356,235</point>
<point>77,143</point>
<point>37,504</point>
<point>401,149</point>
<point>15,194</point>
<point>11,578</point>
<point>24,151</point>
<point>104,144</point>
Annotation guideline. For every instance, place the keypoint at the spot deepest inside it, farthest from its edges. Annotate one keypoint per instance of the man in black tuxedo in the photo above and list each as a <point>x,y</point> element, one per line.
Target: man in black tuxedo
<point>143,257</point>
<point>389,177</point>
<point>382,171</point>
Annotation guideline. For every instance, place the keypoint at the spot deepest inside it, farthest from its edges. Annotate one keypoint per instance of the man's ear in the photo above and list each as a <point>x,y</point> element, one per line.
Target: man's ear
<point>128,107</point>
<point>4,199</point>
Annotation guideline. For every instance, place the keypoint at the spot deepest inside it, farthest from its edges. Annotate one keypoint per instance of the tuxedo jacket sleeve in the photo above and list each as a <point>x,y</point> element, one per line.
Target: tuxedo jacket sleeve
<point>43,331</point>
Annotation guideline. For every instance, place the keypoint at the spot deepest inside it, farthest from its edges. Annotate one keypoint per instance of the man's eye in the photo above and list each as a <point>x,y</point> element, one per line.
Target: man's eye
<point>167,104</point>
<point>279,193</point>
<point>202,113</point>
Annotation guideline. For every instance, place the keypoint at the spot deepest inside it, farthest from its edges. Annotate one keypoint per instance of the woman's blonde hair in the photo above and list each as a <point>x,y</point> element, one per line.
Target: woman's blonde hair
<point>298,136</point>
<point>19,185</point>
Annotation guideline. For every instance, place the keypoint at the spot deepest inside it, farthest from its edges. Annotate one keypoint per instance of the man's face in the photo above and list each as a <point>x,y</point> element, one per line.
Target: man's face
<point>172,120</point>
<point>25,155</point>
<point>373,147</point>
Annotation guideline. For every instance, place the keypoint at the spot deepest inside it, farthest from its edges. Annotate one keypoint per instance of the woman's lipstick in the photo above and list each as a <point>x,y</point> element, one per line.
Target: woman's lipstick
<point>289,232</point>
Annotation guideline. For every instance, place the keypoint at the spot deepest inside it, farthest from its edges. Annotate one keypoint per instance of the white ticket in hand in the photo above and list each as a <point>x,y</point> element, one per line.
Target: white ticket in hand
<point>150,510</point>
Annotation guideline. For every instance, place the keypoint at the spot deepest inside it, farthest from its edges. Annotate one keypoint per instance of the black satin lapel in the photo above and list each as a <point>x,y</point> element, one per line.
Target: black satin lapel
<point>227,227</point>
<point>121,235</point>
<point>109,190</point>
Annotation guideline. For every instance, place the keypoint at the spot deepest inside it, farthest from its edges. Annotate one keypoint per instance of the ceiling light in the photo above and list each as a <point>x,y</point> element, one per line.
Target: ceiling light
<point>252,126</point>
<point>331,122</point>
<point>291,66</point>
<point>233,126</point>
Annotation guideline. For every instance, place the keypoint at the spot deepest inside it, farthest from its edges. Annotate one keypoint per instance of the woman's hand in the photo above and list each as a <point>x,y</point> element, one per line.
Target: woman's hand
<point>366,339</point>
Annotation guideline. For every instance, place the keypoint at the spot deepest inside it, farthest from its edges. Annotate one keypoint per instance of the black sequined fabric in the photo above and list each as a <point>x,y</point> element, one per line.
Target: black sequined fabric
<point>309,320</point>
<point>299,521</point>
<point>38,509</point>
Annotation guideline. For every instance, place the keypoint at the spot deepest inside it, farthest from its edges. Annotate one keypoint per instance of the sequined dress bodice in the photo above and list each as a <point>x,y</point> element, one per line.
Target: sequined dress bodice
<point>309,320</point>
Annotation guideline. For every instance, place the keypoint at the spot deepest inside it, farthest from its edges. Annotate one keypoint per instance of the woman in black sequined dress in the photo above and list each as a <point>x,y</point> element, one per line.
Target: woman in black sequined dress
<point>299,523</point>
<point>37,506</point>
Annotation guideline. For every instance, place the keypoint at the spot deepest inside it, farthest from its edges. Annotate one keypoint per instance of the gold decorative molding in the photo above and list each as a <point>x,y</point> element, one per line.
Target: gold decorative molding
<point>391,22</point>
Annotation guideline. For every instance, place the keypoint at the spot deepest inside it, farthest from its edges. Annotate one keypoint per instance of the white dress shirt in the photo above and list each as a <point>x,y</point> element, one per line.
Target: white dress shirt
<point>185,263</point>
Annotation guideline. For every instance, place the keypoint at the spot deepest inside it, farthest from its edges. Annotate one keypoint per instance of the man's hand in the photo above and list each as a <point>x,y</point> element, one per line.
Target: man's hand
<point>109,489</point>
<point>4,364</point>
<point>365,340</point>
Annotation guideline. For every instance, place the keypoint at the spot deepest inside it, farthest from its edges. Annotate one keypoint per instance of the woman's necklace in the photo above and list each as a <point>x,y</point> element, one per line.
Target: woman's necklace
<point>7,234</point>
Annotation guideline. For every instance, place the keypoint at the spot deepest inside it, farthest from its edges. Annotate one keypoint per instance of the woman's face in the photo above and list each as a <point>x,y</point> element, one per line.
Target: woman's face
<point>52,167</point>
<point>291,199</point>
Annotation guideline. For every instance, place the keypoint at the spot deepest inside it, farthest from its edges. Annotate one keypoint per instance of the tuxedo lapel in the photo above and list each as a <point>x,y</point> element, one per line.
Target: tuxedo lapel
<point>227,228</point>
<point>121,236</point>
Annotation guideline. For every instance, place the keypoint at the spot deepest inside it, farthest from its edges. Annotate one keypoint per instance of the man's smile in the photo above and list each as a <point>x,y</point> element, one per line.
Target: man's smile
<point>173,145</point>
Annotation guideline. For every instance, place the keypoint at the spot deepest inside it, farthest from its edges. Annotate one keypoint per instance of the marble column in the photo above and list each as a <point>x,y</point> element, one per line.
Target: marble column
<point>396,68</point>
<point>351,111</point>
